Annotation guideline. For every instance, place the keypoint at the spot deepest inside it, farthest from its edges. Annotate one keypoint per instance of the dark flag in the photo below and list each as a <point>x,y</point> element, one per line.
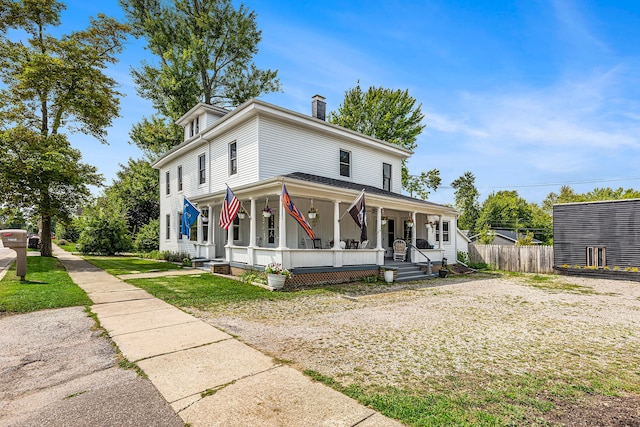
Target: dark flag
<point>295,212</point>
<point>189,216</point>
<point>230,208</point>
<point>359,214</point>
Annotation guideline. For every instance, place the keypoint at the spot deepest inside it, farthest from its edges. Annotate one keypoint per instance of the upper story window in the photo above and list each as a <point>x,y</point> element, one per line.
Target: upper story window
<point>345,163</point>
<point>202,169</point>
<point>179,178</point>
<point>191,129</point>
<point>233,158</point>
<point>167,183</point>
<point>386,176</point>
<point>197,124</point>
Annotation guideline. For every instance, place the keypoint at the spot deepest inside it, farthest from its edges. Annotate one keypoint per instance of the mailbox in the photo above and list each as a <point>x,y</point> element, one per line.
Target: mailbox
<point>17,240</point>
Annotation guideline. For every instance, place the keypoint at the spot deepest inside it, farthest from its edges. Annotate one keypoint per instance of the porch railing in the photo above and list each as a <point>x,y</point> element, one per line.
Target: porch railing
<point>411,245</point>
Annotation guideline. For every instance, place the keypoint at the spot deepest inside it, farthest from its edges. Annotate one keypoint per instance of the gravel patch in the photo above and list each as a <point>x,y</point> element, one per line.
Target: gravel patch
<point>425,336</point>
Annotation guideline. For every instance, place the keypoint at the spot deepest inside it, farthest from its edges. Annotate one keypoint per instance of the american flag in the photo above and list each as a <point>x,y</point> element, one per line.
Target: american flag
<point>295,212</point>
<point>230,208</point>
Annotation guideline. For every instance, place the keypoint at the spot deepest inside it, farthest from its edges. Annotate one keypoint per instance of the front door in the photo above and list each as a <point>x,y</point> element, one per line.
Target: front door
<point>391,235</point>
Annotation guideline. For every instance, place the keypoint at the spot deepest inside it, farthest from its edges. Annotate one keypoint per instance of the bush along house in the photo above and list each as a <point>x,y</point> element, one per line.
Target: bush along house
<point>597,239</point>
<point>250,152</point>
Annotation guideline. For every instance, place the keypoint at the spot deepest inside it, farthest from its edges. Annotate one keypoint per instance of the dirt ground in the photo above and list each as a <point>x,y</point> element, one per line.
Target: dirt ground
<point>419,335</point>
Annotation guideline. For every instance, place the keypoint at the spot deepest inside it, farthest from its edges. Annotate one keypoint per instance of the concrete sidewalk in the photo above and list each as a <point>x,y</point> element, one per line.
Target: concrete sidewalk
<point>208,377</point>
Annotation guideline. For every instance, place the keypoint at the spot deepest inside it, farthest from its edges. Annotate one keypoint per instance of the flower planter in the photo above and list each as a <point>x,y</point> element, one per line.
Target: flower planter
<point>388,276</point>
<point>276,281</point>
<point>599,273</point>
<point>242,215</point>
<point>409,224</point>
<point>266,214</point>
<point>443,273</point>
<point>312,215</point>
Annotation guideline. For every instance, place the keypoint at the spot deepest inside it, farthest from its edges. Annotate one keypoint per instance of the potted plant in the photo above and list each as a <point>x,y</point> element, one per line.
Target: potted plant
<point>409,222</point>
<point>384,220</point>
<point>388,275</point>
<point>267,211</point>
<point>313,212</point>
<point>242,214</point>
<point>276,275</point>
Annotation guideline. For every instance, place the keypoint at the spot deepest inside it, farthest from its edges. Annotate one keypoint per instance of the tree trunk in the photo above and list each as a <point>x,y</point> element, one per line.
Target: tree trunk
<point>45,238</point>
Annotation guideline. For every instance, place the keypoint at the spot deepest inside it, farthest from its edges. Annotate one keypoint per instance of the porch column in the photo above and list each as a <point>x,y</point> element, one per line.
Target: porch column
<point>379,228</point>
<point>414,231</point>
<point>211,244</point>
<point>336,224</point>
<point>282,223</point>
<point>252,233</point>
<point>227,247</point>
<point>252,223</point>
<point>337,254</point>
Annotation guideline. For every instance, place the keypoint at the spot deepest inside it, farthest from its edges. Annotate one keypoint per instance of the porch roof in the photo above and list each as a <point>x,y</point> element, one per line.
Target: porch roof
<point>300,184</point>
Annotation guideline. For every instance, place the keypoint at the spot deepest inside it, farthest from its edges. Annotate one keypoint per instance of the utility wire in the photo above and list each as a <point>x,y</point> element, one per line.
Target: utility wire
<point>553,184</point>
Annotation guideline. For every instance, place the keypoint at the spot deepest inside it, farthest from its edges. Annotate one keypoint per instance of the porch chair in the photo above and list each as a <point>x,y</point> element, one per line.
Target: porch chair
<point>364,244</point>
<point>399,250</point>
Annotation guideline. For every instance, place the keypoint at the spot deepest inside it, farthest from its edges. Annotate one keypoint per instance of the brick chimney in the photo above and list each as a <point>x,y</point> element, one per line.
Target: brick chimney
<point>318,107</point>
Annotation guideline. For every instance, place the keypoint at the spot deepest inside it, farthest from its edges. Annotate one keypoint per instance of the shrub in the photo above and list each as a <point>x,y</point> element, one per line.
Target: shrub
<point>105,234</point>
<point>176,256</point>
<point>62,242</point>
<point>148,238</point>
<point>479,265</point>
<point>463,257</point>
<point>69,232</point>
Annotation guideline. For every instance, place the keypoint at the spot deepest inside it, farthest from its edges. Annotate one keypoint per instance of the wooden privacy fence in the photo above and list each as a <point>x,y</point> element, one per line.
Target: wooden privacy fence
<point>524,259</point>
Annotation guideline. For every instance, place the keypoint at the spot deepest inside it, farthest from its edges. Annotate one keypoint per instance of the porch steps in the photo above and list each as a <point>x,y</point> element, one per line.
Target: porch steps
<point>408,272</point>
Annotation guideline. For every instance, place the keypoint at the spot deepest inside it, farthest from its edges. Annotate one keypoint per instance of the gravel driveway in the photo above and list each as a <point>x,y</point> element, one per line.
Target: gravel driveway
<point>476,330</point>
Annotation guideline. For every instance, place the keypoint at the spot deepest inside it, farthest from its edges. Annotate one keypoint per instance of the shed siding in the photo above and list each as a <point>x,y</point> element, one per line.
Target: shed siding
<point>286,148</point>
<point>614,225</point>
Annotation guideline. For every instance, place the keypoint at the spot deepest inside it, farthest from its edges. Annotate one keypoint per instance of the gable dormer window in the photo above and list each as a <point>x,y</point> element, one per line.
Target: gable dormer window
<point>345,163</point>
<point>191,129</point>
<point>197,121</point>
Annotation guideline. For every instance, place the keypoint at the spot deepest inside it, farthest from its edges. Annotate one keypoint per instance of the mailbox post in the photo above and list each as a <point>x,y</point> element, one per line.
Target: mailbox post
<point>17,240</point>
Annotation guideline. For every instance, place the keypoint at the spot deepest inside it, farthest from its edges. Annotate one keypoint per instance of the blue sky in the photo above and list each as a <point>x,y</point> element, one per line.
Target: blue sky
<point>527,95</point>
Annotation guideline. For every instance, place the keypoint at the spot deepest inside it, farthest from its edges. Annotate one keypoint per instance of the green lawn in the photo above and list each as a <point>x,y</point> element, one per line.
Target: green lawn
<point>206,291</point>
<point>47,285</point>
<point>118,265</point>
<point>69,247</point>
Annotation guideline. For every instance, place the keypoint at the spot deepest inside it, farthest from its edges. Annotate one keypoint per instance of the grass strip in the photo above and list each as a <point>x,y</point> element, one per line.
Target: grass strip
<point>46,285</point>
<point>207,290</point>
<point>117,265</point>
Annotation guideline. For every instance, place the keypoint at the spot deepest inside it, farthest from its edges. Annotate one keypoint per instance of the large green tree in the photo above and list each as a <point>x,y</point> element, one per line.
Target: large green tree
<point>204,51</point>
<point>136,190</point>
<point>504,209</point>
<point>568,195</point>
<point>52,84</point>
<point>466,198</point>
<point>391,116</point>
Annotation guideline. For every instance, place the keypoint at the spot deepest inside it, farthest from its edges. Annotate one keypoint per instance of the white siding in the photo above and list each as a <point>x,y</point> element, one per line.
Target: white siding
<point>246,138</point>
<point>285,148</point>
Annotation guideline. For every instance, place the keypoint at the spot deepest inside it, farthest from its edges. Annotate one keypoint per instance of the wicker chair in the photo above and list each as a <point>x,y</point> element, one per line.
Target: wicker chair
<point>399,250</point>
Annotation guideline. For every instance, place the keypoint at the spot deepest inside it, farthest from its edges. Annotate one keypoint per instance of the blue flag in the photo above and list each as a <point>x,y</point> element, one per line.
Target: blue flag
<point>189,216</point>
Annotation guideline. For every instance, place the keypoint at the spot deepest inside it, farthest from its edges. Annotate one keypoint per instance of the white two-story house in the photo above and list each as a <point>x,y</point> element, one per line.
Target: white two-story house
<point>257,147</point>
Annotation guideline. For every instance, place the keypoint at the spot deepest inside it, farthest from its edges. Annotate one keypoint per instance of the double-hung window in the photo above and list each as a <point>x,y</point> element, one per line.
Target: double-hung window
<point>202,168</point>
<point>197,121</point>
<point>179,178</point>
<point>445,231</point>
<point>345,163</point>
<point>168,183</point>
<point>596,256</point>
<point>233,158</point>
<point>386,176</point>
<point>179,225</point>
<point>168,226</point>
